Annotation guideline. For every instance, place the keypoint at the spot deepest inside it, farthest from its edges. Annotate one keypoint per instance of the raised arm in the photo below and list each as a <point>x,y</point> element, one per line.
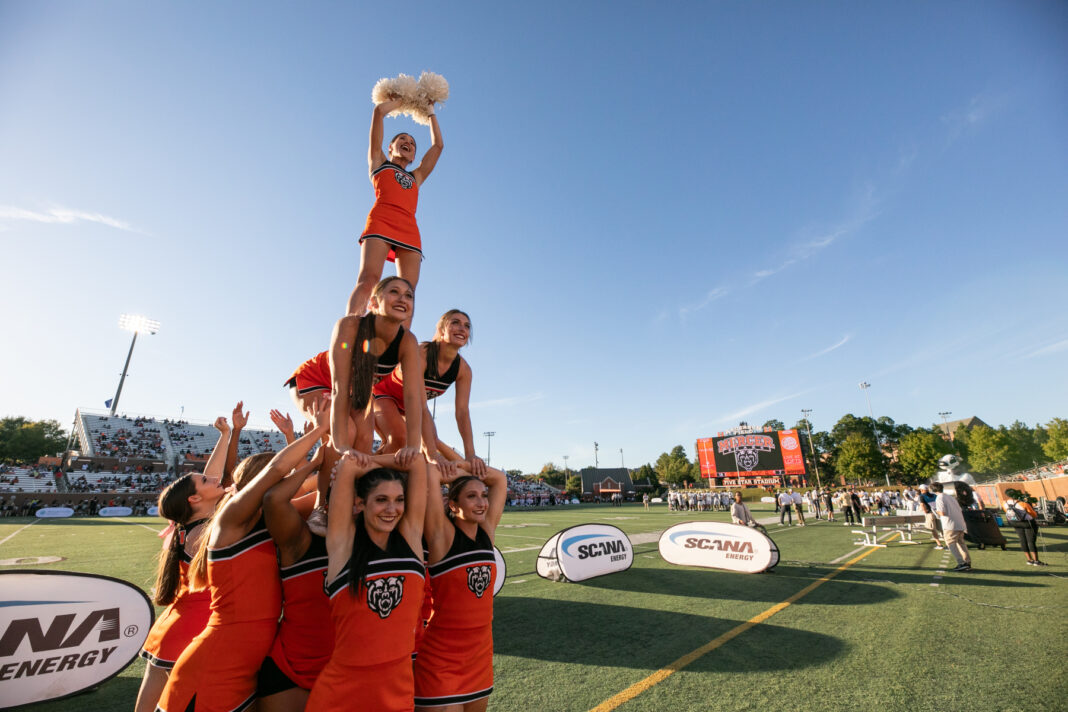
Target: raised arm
<point>341,526</point>
<point>375,156</point>
<point>463,418</point>
<point>412,365</point>
<point>216,465</point>
<point>430,158</point>
<point>240,420</point>
<point>284,424</point>
<point>415,503</point>
<point>284,522</point>
<point>245,504</point>
<point>436,529</point>
<point>341,346</point>
<point>497,482</point>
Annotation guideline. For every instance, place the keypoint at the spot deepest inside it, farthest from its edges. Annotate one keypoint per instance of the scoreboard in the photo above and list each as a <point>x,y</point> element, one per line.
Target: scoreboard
<point>752,458</point>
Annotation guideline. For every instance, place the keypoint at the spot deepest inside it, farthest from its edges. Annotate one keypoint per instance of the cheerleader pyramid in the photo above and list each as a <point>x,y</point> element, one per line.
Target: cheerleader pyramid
<point>346,580</point>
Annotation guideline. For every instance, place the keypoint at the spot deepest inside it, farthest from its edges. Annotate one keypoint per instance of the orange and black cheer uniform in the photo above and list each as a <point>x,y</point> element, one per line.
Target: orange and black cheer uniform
<point>217,672</point>
<point>392,217</point>
<point>312,375</point>
<point>374,633</point>
<point>315,374</point>
<point>181,621</point>
<point>305,637</point>
<point>455,661</point>
<point>392,387</point>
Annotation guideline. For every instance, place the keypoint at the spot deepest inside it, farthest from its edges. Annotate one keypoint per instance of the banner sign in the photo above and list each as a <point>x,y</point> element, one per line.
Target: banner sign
<point>584,552</point>
<point>502,571</point>
<point>62,633</point>
<point>115,512</point>
<point>771,454</point>
<point>54,512</point>
<point>153,511</point>
<point>718,545</point>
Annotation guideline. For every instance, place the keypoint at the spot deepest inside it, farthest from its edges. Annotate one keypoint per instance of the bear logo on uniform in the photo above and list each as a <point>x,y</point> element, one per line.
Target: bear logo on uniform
<point>478,579</point>
<point>385,594</point>
<point>404,179</point>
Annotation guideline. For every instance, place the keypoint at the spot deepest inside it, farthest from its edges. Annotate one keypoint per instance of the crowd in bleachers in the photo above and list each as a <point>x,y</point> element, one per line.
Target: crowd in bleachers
<point>83,507</point>
<point>1053,469</point>
<point>124,437</point>
<point>524,492</point>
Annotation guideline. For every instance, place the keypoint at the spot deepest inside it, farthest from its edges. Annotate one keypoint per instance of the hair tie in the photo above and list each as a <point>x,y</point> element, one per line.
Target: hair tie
<point>180,528</point>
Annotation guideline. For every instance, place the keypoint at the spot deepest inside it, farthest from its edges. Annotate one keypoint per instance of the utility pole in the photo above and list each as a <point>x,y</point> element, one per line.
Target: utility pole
<point>864,386</point>
<point>945,425</point>
<point>811,446</point>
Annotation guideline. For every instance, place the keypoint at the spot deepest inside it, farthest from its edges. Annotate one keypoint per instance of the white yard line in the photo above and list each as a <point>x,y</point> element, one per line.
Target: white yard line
<point>515,551</point>
<point>12,534</point>
<point>157,532</point>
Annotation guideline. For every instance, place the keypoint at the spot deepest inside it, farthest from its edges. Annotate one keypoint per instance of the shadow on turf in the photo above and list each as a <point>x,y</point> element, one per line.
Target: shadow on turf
<point>705,583</point>
<point>593,634</point>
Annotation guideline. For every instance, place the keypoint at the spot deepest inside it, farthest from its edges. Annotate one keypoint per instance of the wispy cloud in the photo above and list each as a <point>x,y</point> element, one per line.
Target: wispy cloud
<point>1054,348</point>
<point>980,108</point>
<point>754,408</point>
<point>865,210</point>
<point>844,340</point>
<point>61,216</point>
<point>714,294</point>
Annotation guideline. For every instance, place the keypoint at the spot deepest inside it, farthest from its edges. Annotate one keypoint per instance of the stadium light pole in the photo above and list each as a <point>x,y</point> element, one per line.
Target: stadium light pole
<point>596,464</point>
<point>621,463</point>
<point>138,325</point>
<point>864,386</point>
<point>489,434</point>
<point>945,424</point>
<point>805,412</point>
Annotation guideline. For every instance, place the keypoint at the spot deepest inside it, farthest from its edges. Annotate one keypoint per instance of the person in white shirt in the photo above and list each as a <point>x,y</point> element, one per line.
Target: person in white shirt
<point>953,527</point>
<point>796,496</point>
<point>786,505</point>
<point>740,514</point>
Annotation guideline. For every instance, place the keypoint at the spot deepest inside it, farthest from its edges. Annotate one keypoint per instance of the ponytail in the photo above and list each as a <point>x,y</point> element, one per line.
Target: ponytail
<point>244,473</point>
<point>364,361</point>
<point>174,505</point>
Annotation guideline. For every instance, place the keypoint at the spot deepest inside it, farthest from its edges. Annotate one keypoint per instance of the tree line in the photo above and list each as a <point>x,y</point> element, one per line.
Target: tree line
<point>859,450</point>
<point>23,441</point>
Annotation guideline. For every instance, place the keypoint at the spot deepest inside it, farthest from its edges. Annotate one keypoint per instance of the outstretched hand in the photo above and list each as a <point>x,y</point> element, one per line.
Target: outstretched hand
<point>283,422</point>
<point>239,418</point>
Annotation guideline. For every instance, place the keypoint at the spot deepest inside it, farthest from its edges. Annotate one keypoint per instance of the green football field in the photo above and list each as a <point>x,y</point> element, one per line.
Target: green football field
<point>835,627</point>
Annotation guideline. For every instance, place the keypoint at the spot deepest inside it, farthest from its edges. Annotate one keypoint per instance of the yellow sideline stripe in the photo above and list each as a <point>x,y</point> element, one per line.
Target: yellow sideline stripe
<point>663,673</point>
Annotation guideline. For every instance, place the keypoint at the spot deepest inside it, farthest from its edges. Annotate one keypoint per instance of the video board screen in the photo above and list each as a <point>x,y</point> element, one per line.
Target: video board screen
<point>752,455</point>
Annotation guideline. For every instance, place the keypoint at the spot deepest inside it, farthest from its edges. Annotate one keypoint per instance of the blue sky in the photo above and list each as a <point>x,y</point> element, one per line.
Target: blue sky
<point>662,220</point>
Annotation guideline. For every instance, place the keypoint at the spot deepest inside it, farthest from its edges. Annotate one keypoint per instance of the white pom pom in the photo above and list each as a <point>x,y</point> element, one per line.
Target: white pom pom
<point>415,96</point>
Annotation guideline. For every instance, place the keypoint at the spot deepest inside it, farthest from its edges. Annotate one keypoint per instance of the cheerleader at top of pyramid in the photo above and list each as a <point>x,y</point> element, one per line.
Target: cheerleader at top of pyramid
<point>391,232</point>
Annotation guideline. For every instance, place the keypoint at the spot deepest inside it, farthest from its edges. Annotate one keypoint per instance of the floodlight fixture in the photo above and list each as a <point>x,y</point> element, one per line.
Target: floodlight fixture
<point>138,325</point>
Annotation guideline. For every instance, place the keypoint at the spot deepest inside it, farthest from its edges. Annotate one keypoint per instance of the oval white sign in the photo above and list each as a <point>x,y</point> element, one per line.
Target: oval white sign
<point>62,633</point>
<point>153,511</point>
<point>584,552</point>
<point>502,571</point>
<point>53,512</point>
<point>115,512</point>
<point>718,545</point>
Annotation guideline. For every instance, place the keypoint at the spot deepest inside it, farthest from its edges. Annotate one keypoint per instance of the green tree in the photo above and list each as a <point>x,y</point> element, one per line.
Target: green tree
<point>774,424</point>
<point>574,485</point>
<point>918,454</point>
<point>989,451</point>
<point>1056,444</point>
<point>1026,450</point>
<point>23,440</point>
<point>551,475</point>
<point>674,467</point>
<point>646,471</point>
<point>859,459</point>
<point>514,473</point>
